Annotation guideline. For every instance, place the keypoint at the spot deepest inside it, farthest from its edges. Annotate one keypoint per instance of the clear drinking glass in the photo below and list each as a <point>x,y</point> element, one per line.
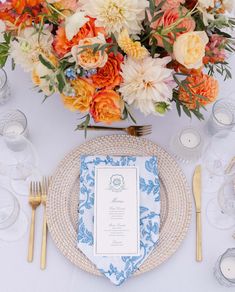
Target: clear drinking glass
<point>217,158</point>
<point>187,145</point>
<point>18,157</point>
<point>224,270</point>
<point>4,87</point>
<point>223,116</point>
<point>13,122</point>
<point>221,211</point>
<point>13,221</point>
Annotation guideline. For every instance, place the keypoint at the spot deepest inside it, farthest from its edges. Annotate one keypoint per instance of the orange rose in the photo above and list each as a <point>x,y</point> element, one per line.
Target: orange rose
<point>107,107</point>
<point>63,46</point>
<point>109,77</point>
<point>199,85</point>
<point>83,96</point>
<point>170,17</point>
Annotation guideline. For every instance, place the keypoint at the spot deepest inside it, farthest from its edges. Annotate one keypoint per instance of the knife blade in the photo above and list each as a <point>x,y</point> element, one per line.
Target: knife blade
<point>197,198</point>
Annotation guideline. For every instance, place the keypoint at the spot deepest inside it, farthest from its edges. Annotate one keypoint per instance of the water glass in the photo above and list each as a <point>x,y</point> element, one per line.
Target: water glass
<point>13,126</point>
<point>4,87</point>
<point>13,222</point>
<point>223,116</point>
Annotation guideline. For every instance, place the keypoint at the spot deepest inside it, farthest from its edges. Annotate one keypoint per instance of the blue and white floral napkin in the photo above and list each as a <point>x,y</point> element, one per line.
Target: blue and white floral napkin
<point>118,269</point>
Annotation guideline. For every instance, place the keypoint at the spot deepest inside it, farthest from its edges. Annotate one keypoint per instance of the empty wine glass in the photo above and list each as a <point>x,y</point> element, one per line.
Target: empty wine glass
<point>4,87</point>
<point>18,157</point>
<point>221,211</point>
<point>216,160</point>
<point>13,221</point>
<point>18,161</point>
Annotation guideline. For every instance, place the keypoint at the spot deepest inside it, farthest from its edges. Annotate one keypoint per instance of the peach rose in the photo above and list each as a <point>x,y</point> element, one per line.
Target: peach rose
<point>107,107</point>
<point>83,96</point>
<point>108,77</point>
<point>200,84</point>
<point>86,58</point>
<point>170,17</point>
<point>189,49</point>
<point>170,4</point>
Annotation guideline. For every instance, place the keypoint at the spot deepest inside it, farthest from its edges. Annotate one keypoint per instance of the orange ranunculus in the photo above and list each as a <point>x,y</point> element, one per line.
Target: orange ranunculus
<point>62,45</point>
<point>107,107</point>
<point>169,17</point>
<point>19,5</point>
<point>108,76</point>
<point>199,85</point>
<point>83,96</point>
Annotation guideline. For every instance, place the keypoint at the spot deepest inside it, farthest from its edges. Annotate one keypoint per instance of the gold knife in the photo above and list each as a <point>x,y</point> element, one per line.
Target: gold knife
<point>197,198</point>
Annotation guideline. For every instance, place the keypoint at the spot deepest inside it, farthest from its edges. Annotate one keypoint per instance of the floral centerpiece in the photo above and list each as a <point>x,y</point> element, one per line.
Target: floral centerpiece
<point>105,57</point>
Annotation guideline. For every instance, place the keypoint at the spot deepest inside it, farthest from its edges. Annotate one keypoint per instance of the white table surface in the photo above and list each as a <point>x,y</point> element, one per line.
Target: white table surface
<point>52,132</point>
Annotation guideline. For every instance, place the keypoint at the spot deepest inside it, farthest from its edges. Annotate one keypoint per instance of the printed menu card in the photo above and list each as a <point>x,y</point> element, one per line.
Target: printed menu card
<point>116,211</point>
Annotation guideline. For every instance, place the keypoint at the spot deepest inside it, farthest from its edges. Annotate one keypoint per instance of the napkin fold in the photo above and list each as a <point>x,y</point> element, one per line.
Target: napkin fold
<point>120,268</point>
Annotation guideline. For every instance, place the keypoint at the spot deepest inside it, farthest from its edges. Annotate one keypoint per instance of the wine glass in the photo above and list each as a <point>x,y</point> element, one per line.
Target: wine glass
<point>221,211</point>
<point>13,221</point>
<point>216,160</point>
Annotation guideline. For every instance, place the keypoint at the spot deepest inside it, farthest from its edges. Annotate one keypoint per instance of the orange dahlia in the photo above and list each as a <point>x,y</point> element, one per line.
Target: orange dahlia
<point>204,89</point>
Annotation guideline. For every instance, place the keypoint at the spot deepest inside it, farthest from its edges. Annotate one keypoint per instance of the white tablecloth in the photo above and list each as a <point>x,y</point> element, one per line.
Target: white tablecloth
<point>51,129</point>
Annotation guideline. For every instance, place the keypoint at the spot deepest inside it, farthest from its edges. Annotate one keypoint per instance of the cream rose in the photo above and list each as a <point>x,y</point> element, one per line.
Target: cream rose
<point>189,49</point>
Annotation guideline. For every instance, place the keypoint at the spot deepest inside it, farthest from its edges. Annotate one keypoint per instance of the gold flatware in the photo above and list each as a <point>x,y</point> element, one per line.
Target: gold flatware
<point>197,198</point>
<point>34,201</point>
<point>45,186</point>
<point>136,131</point>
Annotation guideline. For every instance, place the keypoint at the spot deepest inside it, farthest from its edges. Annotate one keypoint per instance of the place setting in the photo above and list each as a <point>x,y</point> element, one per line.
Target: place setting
<point>121,204</point>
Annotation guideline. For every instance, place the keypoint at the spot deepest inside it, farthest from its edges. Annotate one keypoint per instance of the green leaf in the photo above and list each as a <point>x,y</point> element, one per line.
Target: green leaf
<point>46,63</point>
<point>61,82</point>
<point>167,45</point>
<point>84,125</point>
<point>187,111</point>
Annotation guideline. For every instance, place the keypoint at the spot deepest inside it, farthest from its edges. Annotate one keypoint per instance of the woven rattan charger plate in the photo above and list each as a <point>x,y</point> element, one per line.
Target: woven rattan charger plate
<point>62,201</point>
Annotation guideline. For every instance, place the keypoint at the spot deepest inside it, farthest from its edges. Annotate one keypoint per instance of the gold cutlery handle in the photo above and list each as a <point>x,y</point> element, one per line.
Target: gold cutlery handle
<point>44,242</point>
<point>198,237</point>
<point>31,237</point>
<point>104,128</point>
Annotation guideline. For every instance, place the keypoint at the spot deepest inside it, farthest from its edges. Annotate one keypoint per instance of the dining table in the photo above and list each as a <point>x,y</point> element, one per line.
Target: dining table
<point>52,132</point>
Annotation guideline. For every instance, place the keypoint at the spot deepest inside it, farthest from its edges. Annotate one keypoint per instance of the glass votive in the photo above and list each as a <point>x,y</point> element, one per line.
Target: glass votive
<point>4,87</point>
<point>223,116</point>
<point>13,126</point>
<point>187,145</point>
<point>224,269</point>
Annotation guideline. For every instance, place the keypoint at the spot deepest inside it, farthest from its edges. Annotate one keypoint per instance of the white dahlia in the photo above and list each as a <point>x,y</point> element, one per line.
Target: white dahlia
<point>147,84</point>
<point>29,45</point>
<point>115,15</point>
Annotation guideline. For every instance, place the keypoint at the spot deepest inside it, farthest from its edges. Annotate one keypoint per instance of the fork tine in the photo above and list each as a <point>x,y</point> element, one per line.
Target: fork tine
<point>144,131</point>
<point>139,134</point>
<point>145,127</point>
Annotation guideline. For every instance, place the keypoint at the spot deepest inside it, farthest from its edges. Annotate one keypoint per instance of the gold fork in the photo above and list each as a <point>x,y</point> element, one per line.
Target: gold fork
<point>45,185</point>
<point>34,201</point>
<point>137,131</point>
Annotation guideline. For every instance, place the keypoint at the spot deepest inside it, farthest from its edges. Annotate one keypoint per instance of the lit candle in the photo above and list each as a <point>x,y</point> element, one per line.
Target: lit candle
<point>224,116</point>
<point>227,267</point>
<point>190,138</point>
<point>13,129</point>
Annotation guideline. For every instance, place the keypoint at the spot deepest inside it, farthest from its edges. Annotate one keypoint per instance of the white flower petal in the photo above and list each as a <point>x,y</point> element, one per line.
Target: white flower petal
<point>73,24</point>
